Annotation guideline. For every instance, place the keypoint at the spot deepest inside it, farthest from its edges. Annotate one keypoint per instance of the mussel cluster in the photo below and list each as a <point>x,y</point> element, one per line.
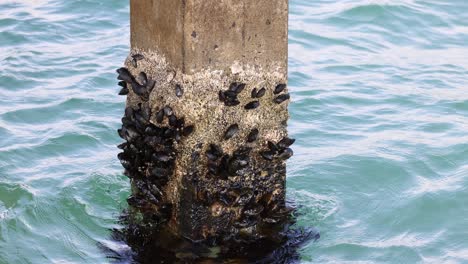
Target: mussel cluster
<point>282,97</point>
<point>229,97</point>
<point>249,189</point>
<point>148,151</point>
<point>224,165</point>
<point>245,189</point>
<point>279,150</point>
<point>141,85</point>
<point>148,158</point>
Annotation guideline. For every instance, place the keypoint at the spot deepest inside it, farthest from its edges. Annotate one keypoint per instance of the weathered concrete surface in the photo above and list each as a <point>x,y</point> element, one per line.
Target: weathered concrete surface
<point>203,47</point>
<point>202,34</point>
<point>158,25</point>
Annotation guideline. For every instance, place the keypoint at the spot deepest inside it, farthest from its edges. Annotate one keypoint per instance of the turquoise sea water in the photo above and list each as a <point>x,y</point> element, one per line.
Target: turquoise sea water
<point>380,113</point>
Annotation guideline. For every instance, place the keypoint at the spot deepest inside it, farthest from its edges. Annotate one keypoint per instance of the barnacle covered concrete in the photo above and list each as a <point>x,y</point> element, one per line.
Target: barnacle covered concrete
<point>205,58</point>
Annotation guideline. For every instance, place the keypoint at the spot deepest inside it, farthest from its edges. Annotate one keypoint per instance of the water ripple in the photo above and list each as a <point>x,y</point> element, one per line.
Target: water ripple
<point>380,113</point>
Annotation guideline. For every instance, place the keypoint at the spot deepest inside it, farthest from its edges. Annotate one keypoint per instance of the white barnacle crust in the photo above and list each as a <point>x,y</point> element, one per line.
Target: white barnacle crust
<point>201,107</point>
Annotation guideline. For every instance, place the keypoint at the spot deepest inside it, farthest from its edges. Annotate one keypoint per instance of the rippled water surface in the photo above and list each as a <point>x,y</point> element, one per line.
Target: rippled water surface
<point>380,112</point>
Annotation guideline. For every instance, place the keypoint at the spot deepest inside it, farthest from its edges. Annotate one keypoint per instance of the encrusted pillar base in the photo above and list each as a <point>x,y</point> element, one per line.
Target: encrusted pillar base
<point>206,152</point>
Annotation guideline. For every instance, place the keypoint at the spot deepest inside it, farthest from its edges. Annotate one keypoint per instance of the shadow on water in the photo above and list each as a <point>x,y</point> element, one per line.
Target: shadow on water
<point>143,244</point>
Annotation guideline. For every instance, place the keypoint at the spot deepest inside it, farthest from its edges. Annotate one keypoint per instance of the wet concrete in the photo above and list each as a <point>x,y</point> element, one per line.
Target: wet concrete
<point>213,34</point>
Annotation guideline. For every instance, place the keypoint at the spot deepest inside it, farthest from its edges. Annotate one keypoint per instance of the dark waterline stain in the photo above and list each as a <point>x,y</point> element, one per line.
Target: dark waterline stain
<point>140,244</point>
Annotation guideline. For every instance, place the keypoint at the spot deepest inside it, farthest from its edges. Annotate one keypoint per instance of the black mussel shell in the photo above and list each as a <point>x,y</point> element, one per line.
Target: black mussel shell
<point>286,142</point>
<point>127,121</point>
<point>125,75</point>
<point>272,146</point>
<point>252,105</point>
<point>151,131</point>
<point>230,94</point>
<point>234,102</point>
<point>140,89</point>
<point>268,155</point>
<point>231,131</point>
<point>129,112</point>
<point>173,120</point>
<point>138,57</point>
<point>213,168</point>
<point>122,84</point>
<point>261,93</point>
<point>122,146</point>
<point>279,88</point>
<point>168,111</point>
<point>180,122</point>
<point>169,132</point>
<point>188,130</point>
<point>233,86</point>
<point>150,84</point>
<point>160,116</point>
<point>214,151</point>
<point>282,98</point>
<point>121,133</point>
<point>221,96</point>
<point>253,135</point>
<point>124,91</point>
<point>141,120</point>
<point>240,87</point>
<point>286,154</point>
<point>177,136</point>
<point>142,78</point>
<point>253,94</point>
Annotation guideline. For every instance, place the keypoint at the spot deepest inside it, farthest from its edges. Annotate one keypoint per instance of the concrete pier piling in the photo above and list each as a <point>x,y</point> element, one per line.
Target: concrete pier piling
<point>205,127</point>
